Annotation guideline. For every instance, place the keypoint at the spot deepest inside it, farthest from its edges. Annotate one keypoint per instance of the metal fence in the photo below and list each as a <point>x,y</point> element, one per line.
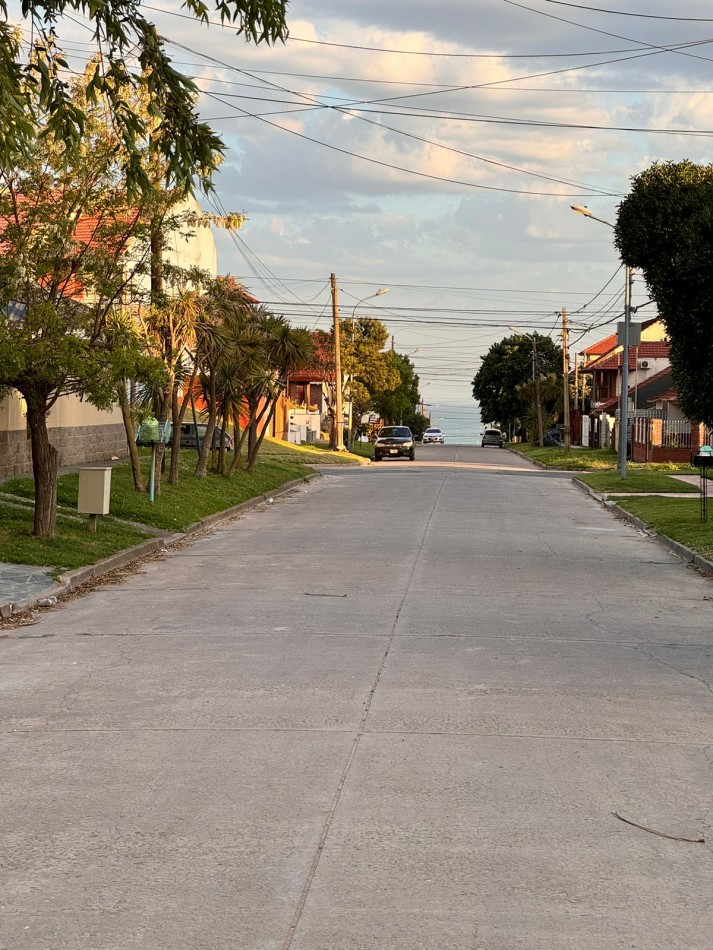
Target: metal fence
<point>663,433</point>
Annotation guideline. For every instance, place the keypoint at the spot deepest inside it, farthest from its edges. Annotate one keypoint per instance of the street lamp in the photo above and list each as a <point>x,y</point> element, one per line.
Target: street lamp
<point>624,395</point>
<point>536,381</point>
<point>379,293</point>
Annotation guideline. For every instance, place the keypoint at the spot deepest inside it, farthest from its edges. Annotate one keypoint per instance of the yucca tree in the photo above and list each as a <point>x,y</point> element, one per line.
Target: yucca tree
<point>212,340</point>
<point>170,328</point>
<point>286,350</point>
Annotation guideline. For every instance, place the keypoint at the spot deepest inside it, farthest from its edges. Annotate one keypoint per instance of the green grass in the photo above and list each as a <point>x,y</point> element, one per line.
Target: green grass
<point>174,509</point>
<point>72,547</point>
<point>364,450</point>
<point>597,460</point>
<point>313,453</point>
<point>180,505</point>
<point>576,461</point>
<point>678,519</point>
<point>636,481</point>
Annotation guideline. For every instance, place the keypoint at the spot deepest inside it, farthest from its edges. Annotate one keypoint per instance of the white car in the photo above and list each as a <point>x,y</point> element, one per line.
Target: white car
<point>433,435</point>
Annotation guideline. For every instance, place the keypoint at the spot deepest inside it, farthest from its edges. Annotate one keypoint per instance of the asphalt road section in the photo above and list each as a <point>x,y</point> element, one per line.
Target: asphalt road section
<point>397,709</point>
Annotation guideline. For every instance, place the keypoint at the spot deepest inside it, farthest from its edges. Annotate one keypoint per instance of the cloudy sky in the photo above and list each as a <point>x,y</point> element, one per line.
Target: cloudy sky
<point>436,148</point>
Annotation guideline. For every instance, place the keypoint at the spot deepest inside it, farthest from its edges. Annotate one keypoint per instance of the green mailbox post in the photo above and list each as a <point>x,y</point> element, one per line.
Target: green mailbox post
<point>153,432</point>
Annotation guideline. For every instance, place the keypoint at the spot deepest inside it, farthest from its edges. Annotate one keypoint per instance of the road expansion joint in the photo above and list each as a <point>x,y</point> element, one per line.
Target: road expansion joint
<point>287,943</point>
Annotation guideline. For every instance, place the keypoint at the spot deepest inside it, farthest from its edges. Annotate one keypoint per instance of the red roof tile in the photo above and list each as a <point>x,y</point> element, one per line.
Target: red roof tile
<point>649,350</point>
<point>603,347</point>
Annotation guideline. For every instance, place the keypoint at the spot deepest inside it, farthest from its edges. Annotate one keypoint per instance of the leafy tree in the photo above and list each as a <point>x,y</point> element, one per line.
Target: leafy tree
<point>665,229</point>
<point>60,289</point>
<point>399,403</point>
<point>551,400</point>
<point>172,130</point>
<point>368,368</point>
<point>507,365</point>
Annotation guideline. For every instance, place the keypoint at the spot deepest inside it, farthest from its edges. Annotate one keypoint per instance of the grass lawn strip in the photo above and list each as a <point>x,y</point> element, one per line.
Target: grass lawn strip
<point>364,450</point>
<point>636,481</point>
<point>678,519</point>
<point>177,507</point>
<point>593,460</point>
<point>72,547</point>
<point>576,461</point>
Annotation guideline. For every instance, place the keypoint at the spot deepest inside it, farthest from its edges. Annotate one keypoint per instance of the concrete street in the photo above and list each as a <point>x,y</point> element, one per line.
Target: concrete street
<point>394,710</point>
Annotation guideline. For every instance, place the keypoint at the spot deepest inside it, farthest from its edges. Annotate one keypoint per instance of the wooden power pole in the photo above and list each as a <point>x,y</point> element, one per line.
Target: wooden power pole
<point>338,422</point>
<point>565,380</point>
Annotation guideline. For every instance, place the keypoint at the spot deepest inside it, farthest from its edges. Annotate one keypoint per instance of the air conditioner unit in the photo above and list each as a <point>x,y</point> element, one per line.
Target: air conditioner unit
<point>644,364</point>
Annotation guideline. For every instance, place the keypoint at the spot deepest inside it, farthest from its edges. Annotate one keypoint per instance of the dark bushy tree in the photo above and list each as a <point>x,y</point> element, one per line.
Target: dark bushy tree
<point>665,229</point>
<point>507,365</point>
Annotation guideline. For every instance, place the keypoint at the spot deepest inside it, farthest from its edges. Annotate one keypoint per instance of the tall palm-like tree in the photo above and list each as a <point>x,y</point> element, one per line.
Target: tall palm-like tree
<point>287,349</point>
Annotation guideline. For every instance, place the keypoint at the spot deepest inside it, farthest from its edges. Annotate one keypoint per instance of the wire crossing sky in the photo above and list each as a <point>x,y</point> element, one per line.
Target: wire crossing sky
<point>436,151</point>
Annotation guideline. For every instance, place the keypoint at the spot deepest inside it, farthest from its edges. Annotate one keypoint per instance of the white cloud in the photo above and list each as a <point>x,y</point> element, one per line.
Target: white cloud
<point>313,209</point>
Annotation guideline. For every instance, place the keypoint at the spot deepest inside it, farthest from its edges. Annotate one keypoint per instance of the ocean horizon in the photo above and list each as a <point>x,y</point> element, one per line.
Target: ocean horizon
<point>460,422</point>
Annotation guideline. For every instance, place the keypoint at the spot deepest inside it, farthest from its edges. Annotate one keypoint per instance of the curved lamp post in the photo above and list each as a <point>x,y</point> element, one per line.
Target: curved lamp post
<point>624,395</point>
<point>379,293</point>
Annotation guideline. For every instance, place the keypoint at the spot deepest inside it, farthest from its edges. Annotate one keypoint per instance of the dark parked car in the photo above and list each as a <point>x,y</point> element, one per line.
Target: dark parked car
<point>189,440</point>
<point>394,441</point>
<point>493,437</point>
<point>190,434</point>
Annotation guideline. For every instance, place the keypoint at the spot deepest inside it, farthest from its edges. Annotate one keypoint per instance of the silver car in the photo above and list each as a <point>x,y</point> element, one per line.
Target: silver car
<point>493,437</point>
<point>433,435</point>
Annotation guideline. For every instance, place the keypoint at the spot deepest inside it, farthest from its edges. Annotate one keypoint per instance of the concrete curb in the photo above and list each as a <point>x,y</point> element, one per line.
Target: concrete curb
<point>73,579</point>
<point>248,505</point>
<point>527,458</point>
<point>680,550</point>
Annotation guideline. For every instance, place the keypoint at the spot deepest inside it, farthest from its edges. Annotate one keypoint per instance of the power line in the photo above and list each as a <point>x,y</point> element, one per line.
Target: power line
<point>644,16</point>
<point>617,36</point>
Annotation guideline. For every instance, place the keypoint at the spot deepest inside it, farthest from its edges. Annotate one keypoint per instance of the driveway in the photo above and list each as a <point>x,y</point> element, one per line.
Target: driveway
<point>397,708</point>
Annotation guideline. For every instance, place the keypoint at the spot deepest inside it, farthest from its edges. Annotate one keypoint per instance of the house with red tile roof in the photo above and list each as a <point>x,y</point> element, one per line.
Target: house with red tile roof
<point>80,432</point>
<point>603,361</point>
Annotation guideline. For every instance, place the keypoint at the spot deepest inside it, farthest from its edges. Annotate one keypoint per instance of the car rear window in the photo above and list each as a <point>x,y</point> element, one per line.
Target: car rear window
<point>496,432</point>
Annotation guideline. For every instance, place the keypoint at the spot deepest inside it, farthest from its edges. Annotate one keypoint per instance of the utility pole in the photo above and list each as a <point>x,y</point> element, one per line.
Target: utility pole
<point>535,381</point>
<point>538,394</point>
<point>565,380</point>
<point>624,394</point>
<point>338,425</point>
<point>576,383</point>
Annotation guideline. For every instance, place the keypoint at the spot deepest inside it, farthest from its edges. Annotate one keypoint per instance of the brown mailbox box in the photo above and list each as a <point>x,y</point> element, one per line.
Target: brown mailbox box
<point>94,489</point>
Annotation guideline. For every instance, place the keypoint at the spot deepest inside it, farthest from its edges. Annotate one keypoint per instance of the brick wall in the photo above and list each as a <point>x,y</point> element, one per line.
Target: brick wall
<point>75,444</point>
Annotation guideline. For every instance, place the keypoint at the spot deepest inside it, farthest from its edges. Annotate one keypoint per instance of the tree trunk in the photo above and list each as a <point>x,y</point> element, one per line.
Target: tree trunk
<point>44,471</point>
<point>238,440</point>
<point>207,446</point>
<point>175,438</point>
<point>252,456</point>
<point>129,428</point>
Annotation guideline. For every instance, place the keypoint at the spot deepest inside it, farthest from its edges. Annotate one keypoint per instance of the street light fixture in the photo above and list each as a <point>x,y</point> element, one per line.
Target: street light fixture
<point>624,395</point>
<point>536,381</point>
<point>379,293</point>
